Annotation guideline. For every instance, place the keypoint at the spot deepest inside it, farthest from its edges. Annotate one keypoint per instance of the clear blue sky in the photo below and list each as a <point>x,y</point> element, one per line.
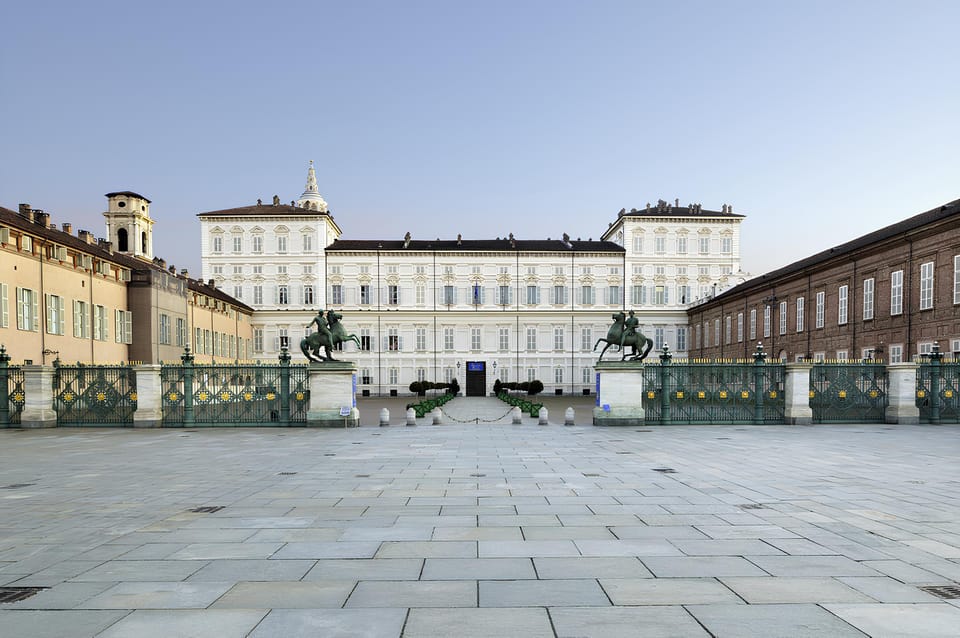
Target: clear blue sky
<point>820,121</point>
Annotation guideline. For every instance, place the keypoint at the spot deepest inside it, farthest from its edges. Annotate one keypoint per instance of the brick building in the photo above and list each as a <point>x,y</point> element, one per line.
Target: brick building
<point>889,294</point>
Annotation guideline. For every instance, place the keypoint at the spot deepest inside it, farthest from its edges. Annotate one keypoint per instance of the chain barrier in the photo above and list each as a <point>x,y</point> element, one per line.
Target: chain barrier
<point>477,419</point>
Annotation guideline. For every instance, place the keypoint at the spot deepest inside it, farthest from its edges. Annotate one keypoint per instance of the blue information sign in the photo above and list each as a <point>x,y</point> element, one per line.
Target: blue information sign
<point>476,366</point>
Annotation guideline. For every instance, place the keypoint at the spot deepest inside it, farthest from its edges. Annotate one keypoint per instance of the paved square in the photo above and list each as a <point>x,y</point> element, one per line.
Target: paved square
<point>482,529</point>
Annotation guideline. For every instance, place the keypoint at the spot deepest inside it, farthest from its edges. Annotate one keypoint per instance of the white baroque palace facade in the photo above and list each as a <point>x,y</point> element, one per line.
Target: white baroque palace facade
<point>472,309</point>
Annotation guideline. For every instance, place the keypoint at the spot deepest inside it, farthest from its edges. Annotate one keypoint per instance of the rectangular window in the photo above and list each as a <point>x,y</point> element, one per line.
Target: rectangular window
<point>706,334</point>
<point>421,339</point>
<point>365,340</point>
<point>100,323</point>
<point>558,338</point>
<point>586,375</point>
<point>559,296</point>
<point>336,294</point>
<point>238,292</point>
<point>658,337</point>
<point>956,279</point>
<point>728,329</point>
<point>281,244</point>
<point>638,243</point>
<point>393,340</point>
<point>55,318</point>
<point>726,245</point>
<point>926,286</point>
<point>842,305</point>
<point>504,295</point>
<point>586,295</point>
<point>660,295</point>
<point>841,355</point>
<point>753,324</point>
<point>586,338</point>
<point>704,245</point>
<point>4,306</point>
<point>308,296</point>
<point>896,292</point>
<point>821,308</point>
<point>181,332</point>
<point>448,339</point>
<point>614,296</point>
<point>783,317</point>
<point>681,338</point>
<point>696,336</point>
<point>449,295</point>
<point>531,374</point>
<point>681,245</point>
<point>393,376</point>
<point>739,327</point>
<point>364,294</point>
<point>660,245</point>
<point>258,295</point>
<point>28,314</point>
<point>799,314</point>
<point>258,248</point>
<point>283,295</point>
<point>81,320</point>
<point>218,244</point>
<point>896,353</point>
<point>533,295</point>
<point>307,243</point>
<point>638,295</point>
<point>258,339</point>
<point>393,295</point>
<point>716,331</point>
<point>123,326</point>
<point>476,294</point>
<point>284,338</point>
<point>868,299</point>
<point>237,244</point>
<point>531,339</point>
<point>421,294</point>
<point>474,338</point>
<point>767,311</point>
<point>558,375</point>
<point>503,338</point>
<point>165,331</point>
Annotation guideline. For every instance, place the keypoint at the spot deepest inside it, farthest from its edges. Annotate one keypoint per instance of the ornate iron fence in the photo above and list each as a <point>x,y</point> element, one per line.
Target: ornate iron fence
<point>938,391</point>
<point>700,392</point>
<point>848,392</point>
<point>94,395</point>
<point>234,394</point>
<point>12,396</point>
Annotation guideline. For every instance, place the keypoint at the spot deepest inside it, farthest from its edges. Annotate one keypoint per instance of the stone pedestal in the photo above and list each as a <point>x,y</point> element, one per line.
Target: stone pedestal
<point>796,394</point>
<point>38,409</point>
<point>333,395</point>
<point>149,412</point>
<point>901,394</point>
<point>619,393</point>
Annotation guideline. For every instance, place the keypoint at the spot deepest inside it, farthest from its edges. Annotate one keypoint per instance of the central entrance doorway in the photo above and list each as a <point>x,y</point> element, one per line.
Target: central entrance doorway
<point>476,378</point>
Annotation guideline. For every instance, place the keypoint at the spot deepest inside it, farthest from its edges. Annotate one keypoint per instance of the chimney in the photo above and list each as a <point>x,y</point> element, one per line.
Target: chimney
<point>185,273</point>
<point>211,283</point>
<point>162,263</point>
<point>105,245</point>
<point>85,236</point>
<point>173,269</point>
<point>41,218</point>
<point>68,228</point>
<point>26,211</point>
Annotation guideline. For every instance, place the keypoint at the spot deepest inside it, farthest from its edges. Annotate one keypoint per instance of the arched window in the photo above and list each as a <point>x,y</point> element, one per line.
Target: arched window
<point>122,240</point>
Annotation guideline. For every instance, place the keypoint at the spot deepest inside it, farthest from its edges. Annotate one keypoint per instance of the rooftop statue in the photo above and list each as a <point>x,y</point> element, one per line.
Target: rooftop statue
<point>330,332</point>
<point>624,333</point>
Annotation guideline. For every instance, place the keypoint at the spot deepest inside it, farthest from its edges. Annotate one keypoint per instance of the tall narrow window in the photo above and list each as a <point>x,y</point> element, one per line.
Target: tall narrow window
<point>393,295</point>
<point>474,338</point>
<point>558,338</point>
<point>842,305</point>
<point>531,339</point>
<point>868,299</point>
<point>281,244</point>
<point>739,327</point>
<point>728,329</point>
<point>681,338</point>
<point>956,279</point>
<point>336,295</point>
<point>926,286</point>
<point>767,311</point>
<point>799,314</point>
<point>421,339</point>
<point>364,294</point>
<point>504,338</point>
<point>896,292</point>
<point>821,303</point>
<point>55,319</point>
<point>753,324</point>
<point>448,339</point>
<point>586,338</point>
<point>783,317</point>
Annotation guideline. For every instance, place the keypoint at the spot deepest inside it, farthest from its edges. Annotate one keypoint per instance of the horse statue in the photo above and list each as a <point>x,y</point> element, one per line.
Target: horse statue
<point>632,338</point>
<point>310,345</point>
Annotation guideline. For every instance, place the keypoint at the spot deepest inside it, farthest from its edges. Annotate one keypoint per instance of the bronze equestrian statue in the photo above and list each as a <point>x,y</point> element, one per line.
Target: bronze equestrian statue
<point>329,334</point>
<point>624,333</point>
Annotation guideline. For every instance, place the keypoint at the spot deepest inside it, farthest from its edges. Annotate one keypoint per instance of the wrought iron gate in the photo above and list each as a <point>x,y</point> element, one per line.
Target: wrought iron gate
<point>938,391</point>
<point>94,395</point>
<point>12,396</point>
<point>848,392</point>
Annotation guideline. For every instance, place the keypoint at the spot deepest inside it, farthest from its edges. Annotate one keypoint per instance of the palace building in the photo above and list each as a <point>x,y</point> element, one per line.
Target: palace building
<point>475,309</point>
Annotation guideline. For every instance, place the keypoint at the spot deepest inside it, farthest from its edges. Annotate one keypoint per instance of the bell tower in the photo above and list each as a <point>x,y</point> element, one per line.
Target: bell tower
<point>129,226</point>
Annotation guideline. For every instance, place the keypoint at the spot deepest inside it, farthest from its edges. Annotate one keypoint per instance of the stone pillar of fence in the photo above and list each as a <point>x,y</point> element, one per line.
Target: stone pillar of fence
<point>796,391</point>
<point>620,398</point>
<point>901,393</point>
<point>38,409</point>
<point>333,388</point>
<point>149,412</point>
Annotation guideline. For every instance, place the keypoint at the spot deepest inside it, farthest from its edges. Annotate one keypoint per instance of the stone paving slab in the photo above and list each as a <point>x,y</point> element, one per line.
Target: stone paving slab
<point>412,531</point>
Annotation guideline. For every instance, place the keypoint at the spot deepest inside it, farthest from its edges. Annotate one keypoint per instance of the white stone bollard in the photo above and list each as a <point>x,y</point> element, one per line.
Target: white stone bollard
<point>569,417</point>
<point>437,416</point>
<point>384,418</point>
<point>411,416</point>
<point>515,415</point>
<point>544,414</point>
